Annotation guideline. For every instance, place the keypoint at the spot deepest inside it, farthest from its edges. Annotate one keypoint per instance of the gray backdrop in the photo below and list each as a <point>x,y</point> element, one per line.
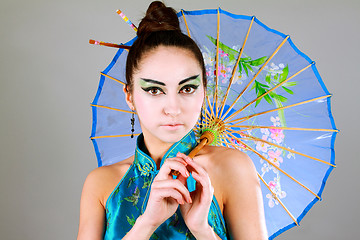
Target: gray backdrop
<point>50,74</point>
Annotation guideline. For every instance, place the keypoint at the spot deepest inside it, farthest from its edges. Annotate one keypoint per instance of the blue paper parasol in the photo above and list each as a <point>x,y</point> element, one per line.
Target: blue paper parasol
<point>264,97</point>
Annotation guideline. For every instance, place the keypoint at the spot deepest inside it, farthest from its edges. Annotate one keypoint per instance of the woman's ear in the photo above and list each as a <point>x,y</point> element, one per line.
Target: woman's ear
<point>128,97</point>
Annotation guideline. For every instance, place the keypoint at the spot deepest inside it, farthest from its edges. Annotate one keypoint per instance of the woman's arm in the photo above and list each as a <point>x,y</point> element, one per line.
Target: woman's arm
<point>243,203</point>
<point>92,213</point>
<point>97,187</point>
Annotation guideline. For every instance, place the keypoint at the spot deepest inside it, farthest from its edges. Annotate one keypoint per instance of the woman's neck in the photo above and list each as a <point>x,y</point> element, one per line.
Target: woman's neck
<point>156,149</point>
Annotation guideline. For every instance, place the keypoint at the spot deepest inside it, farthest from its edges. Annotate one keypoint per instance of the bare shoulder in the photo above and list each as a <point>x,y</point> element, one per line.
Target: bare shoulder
<point>238,191</point>
<point>97,187</point>
<point>101,181</point>
<point>227,160</point>
<point>229,169</point>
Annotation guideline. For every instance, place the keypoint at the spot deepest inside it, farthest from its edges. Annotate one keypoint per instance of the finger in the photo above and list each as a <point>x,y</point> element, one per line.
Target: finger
<point>173,184</point>
<point>203,180</point>
<point>174,172</point>
<point>201,172</point>
<point>199,169</point>
<point>206,187</point>
<point>172,164</point>
<point>182,179</point>
<point>162,193</point>
<point>182,156</point>
<point>179,159</point>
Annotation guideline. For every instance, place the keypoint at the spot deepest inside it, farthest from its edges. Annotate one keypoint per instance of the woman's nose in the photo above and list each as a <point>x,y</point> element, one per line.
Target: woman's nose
<point>172,106</point>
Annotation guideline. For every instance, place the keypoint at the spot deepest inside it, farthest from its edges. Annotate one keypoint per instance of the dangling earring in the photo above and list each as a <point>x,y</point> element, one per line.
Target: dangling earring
<point>201,120</point>
<point>132,124</point>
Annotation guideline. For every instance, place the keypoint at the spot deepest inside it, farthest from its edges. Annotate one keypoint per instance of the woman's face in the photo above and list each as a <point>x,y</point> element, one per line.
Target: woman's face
<point>168,93</point>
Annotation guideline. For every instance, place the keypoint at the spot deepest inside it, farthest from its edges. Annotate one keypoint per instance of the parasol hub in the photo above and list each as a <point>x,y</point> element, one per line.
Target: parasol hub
<point>219,126</point>
<point>213,131</point>
<point>208,135</point>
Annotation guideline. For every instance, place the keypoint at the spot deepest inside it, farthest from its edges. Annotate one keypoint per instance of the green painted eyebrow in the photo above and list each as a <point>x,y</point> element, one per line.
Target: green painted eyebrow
<point>163,84</point>
<point>153,81</point>
<point>188,79</point>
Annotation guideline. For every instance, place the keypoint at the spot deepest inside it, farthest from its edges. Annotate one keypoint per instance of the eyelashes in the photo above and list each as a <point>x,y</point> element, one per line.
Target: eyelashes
<point>155,91</point>
<point>188,89</point>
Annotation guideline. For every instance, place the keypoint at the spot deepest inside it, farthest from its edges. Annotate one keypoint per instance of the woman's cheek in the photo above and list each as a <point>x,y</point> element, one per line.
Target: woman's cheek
<point>147,105</point>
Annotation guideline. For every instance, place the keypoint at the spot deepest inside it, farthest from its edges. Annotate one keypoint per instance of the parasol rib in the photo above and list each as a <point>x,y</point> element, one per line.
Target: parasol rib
<point>212,114</point>
<point>235,67</point>
<point>188,31</point>
<point>115,109</point>
<point>226,143</point>
<point>233,145</point>
<point>255,76</point>
<point>112,78</point>
<point>278,199</point>
<point>205,123</point>
<point>271,90</point>
<point>217,62</point>
<point>249,127</point>
<point>187,27</point>
<point>269,162</point>
<point>205,115</point>
<point>207,118</point>
<point>114,136</point>
<point>279,146</point>
<point>275,109</point>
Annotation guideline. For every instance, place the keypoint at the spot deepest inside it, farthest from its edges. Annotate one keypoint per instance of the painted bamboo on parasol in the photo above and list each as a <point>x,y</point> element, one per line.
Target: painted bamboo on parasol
<point>255,76</point>
<point>235,67</point>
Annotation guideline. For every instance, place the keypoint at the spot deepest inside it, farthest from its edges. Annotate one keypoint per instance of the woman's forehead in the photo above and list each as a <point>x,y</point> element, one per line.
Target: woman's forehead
<point>168,64</point>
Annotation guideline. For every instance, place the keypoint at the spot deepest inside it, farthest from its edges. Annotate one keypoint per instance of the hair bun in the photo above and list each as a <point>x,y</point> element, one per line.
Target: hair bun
<point>158,18</point>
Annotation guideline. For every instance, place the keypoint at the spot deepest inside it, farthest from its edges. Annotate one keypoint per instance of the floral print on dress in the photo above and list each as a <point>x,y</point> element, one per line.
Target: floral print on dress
<point>131,220</point>
<point>134,198</point>
<point>145,169</point>
<point>129,199</point>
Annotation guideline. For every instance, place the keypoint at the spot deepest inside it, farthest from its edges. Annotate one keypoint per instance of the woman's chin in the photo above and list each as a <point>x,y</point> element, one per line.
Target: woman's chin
<point>167,134</point>
<point>173,134</point>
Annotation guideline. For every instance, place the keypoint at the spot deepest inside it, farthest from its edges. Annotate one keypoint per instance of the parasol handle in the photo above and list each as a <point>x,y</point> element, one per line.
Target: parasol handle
<point>197,149</point>
<point>206,138</point>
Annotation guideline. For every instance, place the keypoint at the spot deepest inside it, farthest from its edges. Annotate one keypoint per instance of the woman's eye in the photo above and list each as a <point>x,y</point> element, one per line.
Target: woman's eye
<point>188,89</point>
<point>154,91</point>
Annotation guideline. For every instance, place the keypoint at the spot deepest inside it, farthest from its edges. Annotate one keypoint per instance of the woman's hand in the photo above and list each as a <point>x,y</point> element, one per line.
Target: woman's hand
<point>195,214</point>
<point>167,193</point>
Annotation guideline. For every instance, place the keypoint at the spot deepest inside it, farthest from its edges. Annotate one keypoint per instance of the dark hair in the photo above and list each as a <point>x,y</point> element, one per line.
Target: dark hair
<point>159,27</point>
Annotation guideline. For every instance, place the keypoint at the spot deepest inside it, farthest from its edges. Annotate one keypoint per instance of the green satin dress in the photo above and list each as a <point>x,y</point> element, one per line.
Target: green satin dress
<point>129,199</point>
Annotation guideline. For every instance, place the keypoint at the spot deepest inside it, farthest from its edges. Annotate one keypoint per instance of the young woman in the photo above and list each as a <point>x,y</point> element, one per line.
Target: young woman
<point>138,198</point>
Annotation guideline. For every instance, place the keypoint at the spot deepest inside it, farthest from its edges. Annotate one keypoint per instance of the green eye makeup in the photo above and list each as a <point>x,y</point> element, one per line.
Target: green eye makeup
<point>152,86</point>
<point>145,83</point>
<point>192,82</point>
